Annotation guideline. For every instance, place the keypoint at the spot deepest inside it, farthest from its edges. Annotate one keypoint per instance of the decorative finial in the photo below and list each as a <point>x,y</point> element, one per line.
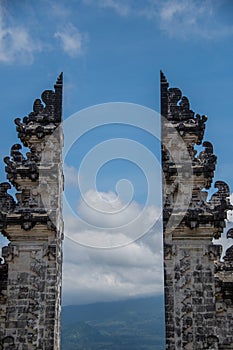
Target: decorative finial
<point>59,80</point>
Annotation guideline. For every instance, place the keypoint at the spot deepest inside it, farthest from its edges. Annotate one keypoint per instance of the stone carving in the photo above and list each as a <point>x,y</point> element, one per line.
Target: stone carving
<point>3,277</point>
<point>7,202</point>
<point>222,196</point>
<point>230,233</point>
<point>207,160</point>
<point>46,116</point>
<point>194,275</point>
<point>229,254</point>
<point>212,342</point>
<point>176,108</point>
<point>30,277</point>
<point>19,166</point>
<point>7,343</point>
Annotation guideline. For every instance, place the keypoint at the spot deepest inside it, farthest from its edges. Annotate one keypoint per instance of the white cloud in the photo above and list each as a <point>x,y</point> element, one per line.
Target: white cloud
<point>72,40</point>
<point>16,43</point>
<point>92,274</point>
<point>186,19</point>
<point>189,19</point>
<point>19,42</point>
<point>103,220</point>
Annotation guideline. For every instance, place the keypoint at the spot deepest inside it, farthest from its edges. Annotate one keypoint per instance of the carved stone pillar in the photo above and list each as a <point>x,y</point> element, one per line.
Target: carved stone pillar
<point>190,223</point>
<point>30,304</point>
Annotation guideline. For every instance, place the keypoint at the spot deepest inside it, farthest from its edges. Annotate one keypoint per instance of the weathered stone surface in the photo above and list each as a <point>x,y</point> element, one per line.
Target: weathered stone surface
<point>198,287</point>
<point>30,278</point>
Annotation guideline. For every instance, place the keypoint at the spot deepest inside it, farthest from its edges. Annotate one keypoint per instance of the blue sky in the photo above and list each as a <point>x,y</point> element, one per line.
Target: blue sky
<point>112,51</point>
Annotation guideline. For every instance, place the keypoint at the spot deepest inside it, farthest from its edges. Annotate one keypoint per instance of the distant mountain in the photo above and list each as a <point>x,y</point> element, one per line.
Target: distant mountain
<point>135,324</point>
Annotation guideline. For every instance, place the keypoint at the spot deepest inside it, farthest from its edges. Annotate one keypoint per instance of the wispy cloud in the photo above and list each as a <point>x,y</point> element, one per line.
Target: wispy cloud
<point>190,19</point>
<point>59,10</point>
<point>193,18</point>
<point>16,43</point>
<point>185,19</point>
<point>21,40</point>
<point>120,7</point>
<point>72,40</point>
<point>123,8</point>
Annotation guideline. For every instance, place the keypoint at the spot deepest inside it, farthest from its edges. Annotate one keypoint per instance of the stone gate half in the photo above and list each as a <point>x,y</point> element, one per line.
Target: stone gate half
<point>30,276</point>
<point>198,286</point>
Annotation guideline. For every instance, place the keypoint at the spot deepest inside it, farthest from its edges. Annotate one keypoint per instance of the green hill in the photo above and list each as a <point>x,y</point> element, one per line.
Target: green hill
<point>135,324</point>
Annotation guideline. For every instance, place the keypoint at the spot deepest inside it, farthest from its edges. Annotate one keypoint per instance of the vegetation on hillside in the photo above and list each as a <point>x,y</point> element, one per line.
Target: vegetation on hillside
<point>123,325</point>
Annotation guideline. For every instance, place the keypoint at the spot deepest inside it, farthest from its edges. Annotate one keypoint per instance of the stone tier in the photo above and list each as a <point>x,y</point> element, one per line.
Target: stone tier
<point>186,173</point>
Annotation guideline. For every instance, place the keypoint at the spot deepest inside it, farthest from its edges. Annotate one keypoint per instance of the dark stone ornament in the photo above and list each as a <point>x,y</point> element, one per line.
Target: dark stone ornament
<point>33,156</point>
<point>45,117</point>
<point>220,199</point>
<point>176,108</point>
<point>8,343</point>
<point>230,233</point>
<point>207,161</point>
<point>229,254</point>
<point>3,220</point>
<point>16,155</point>
<point>7,202</point>
<point>27,222</point>
<point>212,342</point>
